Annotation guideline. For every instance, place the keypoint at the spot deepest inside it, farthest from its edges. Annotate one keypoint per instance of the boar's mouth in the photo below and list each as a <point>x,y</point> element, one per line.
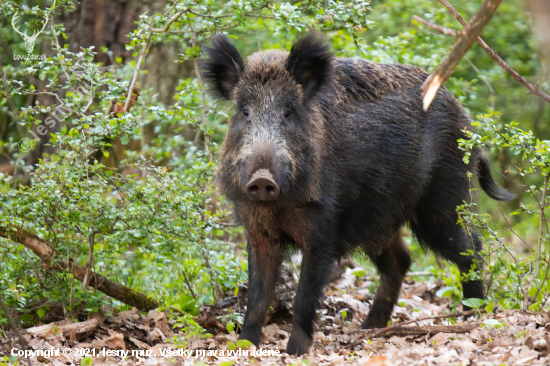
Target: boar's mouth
<point>262,186</point>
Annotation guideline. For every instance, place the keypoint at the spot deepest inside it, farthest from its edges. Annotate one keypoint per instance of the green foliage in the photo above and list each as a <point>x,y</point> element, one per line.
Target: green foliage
<point>162,229</point>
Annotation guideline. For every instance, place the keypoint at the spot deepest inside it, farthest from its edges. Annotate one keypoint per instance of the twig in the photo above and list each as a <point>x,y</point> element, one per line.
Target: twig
<point>442,316</point>
<point>142,53</point>
<point>91,98</point>
<point>203,103</point>
<point>136,72</point>
<point>89,262</point>
<point>464,42</point>
<point>497,58</point>
<point>484,80</point>
<point>415,331</point>
<point>542,206</point>
<point>439,28</point>
<point>188,284</point>
<point>513,232</point>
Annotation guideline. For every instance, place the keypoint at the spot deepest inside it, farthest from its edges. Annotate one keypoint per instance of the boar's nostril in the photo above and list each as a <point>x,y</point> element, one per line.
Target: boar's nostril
<point>262,186</point>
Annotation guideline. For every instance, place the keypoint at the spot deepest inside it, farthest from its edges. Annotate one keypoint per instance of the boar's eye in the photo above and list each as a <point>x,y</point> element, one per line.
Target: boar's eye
<point>287,113</point>
<point>245,112</point>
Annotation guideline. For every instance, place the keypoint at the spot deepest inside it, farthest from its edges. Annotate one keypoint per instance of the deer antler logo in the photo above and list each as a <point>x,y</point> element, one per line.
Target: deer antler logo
<point>29,40</point>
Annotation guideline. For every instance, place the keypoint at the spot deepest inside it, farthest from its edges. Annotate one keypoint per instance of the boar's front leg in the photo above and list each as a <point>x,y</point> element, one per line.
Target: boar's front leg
<point>316,265</point>
<point>263,262</point>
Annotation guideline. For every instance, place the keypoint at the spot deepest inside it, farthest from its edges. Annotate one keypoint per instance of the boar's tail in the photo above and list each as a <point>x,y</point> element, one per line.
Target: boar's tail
<point>488,183</point>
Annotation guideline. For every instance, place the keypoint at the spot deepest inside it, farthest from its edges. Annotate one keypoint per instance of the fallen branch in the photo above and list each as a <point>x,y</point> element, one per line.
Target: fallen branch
<point>532,88</point>
<point>63,327</point>
<point>442,316</point>
<point>47,254</point>
<point>422,330</point>
<point>464,42</point>
<point>417,331</point>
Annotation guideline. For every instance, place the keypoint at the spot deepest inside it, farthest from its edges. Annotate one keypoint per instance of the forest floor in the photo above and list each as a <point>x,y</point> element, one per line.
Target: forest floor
<point>510,337</point>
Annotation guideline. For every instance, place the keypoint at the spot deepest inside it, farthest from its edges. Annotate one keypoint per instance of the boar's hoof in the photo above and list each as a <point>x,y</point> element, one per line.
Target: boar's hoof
<point>299,343</point>
<point>262,186</point>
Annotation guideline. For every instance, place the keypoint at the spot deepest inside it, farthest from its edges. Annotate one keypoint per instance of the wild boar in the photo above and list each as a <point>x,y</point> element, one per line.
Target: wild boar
<point>330,155</point>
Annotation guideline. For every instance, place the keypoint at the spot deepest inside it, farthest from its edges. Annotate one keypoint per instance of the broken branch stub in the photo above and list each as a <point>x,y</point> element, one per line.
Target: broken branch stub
<point>465,40</point>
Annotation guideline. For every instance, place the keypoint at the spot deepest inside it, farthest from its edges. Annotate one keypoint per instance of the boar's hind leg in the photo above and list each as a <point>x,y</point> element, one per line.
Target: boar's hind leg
<point>437,229</point>
<point>392,264</point>
<point>263,263</point>
<point>316,265</point>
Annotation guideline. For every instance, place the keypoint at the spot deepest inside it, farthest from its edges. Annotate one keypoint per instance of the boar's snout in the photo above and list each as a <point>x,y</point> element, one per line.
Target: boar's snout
<point>262,186</point>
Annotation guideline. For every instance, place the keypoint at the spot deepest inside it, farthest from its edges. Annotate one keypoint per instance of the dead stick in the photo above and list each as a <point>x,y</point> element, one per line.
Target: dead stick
<point>533,89</point>
<point>455,314</point>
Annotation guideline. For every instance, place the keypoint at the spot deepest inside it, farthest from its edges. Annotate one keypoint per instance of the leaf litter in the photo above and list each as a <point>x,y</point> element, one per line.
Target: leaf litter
<point>510,337</point>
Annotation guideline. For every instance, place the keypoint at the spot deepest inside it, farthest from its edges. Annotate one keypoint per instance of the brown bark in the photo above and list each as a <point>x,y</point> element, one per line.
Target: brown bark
<point>63,327</point>
<point>465,40</point>
<point>532,89</point>
<point>47,254</point>
<point>422,330</point>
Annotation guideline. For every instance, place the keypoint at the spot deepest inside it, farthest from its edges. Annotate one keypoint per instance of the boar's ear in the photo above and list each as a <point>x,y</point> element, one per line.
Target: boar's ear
<point>309,63</point>
<point>223,67</point>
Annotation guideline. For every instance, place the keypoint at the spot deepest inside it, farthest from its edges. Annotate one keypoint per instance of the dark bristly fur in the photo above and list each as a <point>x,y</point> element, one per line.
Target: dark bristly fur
<point>355,158</point>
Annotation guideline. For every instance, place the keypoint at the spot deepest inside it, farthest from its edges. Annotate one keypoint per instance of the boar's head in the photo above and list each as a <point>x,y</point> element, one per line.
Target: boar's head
<point>277,137</point>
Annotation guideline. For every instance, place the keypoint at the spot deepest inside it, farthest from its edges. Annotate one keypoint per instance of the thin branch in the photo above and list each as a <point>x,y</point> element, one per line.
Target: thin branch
<point>533,89</point>
<point>513,232</point>
<point>204,112</point>
<point>436,27</point>
<point>170,22</point>
<point>188,284</point>
<point>136,72</point>
<point>464,42</point>
<point>484,80</point>
<point>89,262</point>
<point>542,206</point>
<point>91,98</point>
<point>144,51</point>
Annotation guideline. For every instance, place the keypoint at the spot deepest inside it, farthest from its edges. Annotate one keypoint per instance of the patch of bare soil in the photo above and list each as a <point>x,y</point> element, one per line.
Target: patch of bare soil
<point>422,333</point>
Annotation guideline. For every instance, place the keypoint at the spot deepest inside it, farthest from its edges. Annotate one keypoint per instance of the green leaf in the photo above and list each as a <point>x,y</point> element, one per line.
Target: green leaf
<point>105,153</point>
<point>358,272</point>
<point>41,312</point>
<point>490,307</point>
<point>125,140</point>
<point>244,343</point>
<point>227,363</point>
<point>86,361</point>
<point>231,345</point>
<point>446,291</point>
<point>493,323</point>
<point>473,302</point>
<point>230,326</point>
